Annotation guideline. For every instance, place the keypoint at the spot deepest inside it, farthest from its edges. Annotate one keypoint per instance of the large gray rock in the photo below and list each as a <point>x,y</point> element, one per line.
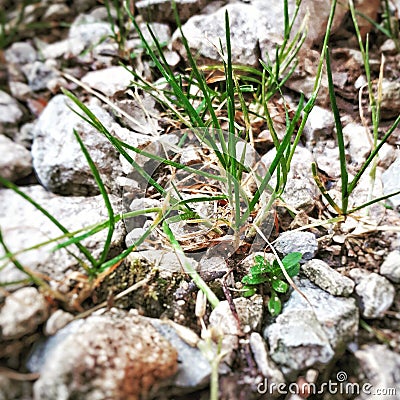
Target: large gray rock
<point>57,158</point>
<point>303,242</point>
<point>10,114</point>
<point>24,226</point>
<point>376,293</point>
<point>15,161</point>
<point>327,278</point>
<point>256,28</point>
<point>391,182</point>
<point>161,10</point>
<point>108,80</point>
<point>381,368</point>
<point>113,354</point>
<point>304,336</point>
<point>22,312</point>
<point>390,268</point>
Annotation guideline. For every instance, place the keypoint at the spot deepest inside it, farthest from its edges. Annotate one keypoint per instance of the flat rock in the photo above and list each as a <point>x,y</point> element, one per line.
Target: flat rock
<point>376,293</point>
<point>264,363</point>
<point>320,124</point>
<point>303,242</point>
<point>126,358</point>
<point>390,180</point>
<point>303,337</point>
<point>23,311</point>
<point>24,226</point>
<point>108,80</point>
<point>203,33</point>
<point>250,312</point>
<point>390,268</point>
<point>320,273</point>
<point>161,10</point>
<point>15,161</point>
<point>381,368</point>
<point>57,158</point>
<point>10,114</point>
<point>20,53</point>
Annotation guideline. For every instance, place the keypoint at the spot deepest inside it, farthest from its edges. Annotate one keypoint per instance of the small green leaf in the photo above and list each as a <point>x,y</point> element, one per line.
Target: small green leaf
<point>293,270</point>
<point>291,259</point>
<point>280,286</point>
<point>248,291</point>
<point>256,279</point>
<point>274,305</point>
<point>259,259</point>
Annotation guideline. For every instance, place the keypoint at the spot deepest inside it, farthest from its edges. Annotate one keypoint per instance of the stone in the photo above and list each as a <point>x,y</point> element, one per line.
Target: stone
<point>381,369</point>
<point>375,293</point>
<point>391,182</point>
<point>126,358</point>
<point>22,313</point>
<point>320,273</point>
<point>161,31</point>
<point>320,124</point>
<point>264,363</point>
<point>24,226</point>
<point>39,74</point>
<point>301,191</point>
<point>250,312</point>
<point>21,53</point>
<point>85,33</point>
<point>57,321</point>
<point>161,10</point>
<point>15,161</point>
<point>203,33</point>
<point>390,268</point>
<point>359,143</point>
<point>326,156</point>
<point>187,377</point>
<point>10,114</point>
<point>57,158</point>
<point>108,80</point>
<point>303,242</point>
<point>390,103</point>
<point>304,336</point>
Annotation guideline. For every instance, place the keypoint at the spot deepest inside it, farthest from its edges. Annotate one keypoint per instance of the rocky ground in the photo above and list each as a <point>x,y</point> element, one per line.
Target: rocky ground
<point>141,329</point>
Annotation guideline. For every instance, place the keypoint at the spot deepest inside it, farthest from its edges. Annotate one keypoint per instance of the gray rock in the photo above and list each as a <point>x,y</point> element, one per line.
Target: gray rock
<point>24,226</point>
<point>320,124</point>
<point>359,145</point>
<point>187,377</point>
<point>303,242</point>
<point>126,358</point>
<point>10,114</point>
<point>85,33</point>
<point>320,273</point>
<point>20,53</point>
<point>108,80</point>
<point>57,158</point>
<point>15,161</point>
<point>265,365</point>
<point>326,156</point>
<point>391,182</point>
<point>39,74</point>
<point>390,103</point>
<point>300,190</point>
<point>23,311</point>
<point>250,312</point>
<point>161,10</point>
<point>376,293</point>
<point>57,321</point>
<point>204,31</point>
<point>161,31</point>
<point>390,268</point>
<point>381,367</point>
<point>303,337</point>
